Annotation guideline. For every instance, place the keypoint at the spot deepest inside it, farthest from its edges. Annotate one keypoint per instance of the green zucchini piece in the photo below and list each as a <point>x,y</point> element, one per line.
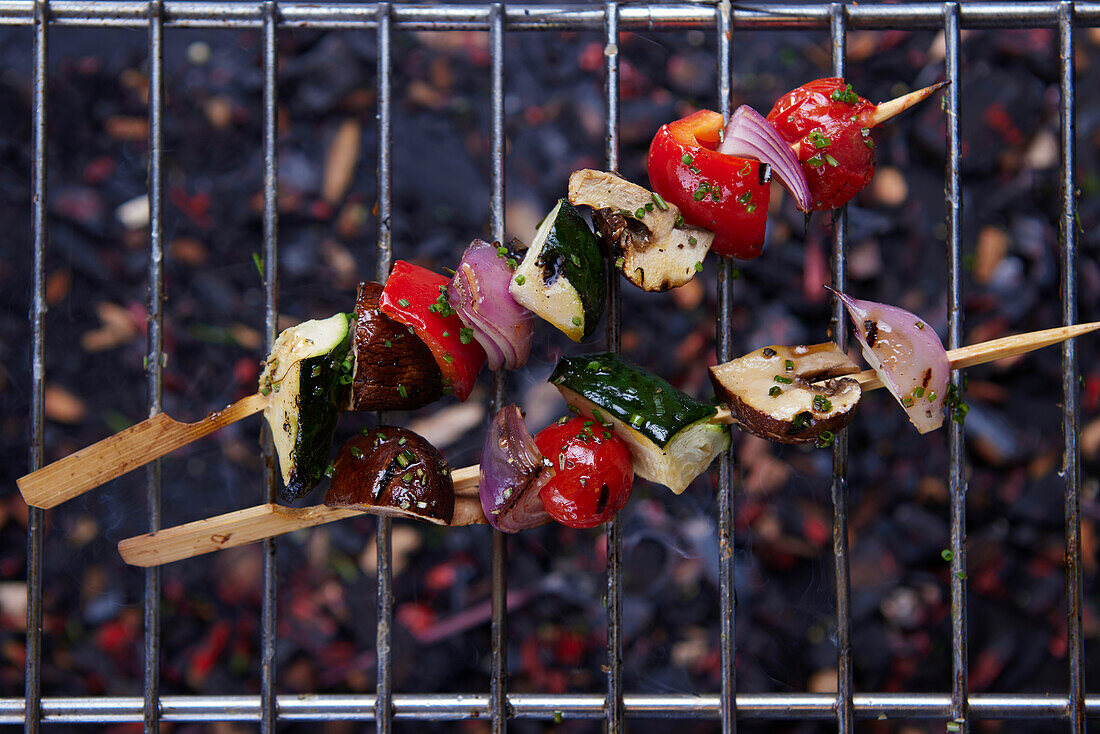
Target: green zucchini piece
<point>563,276</point>
<point>670,433</point>
<point>305,380</point>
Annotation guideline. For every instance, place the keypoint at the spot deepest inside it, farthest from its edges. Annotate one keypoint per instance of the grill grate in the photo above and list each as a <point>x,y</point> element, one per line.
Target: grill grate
<point>612,17</point>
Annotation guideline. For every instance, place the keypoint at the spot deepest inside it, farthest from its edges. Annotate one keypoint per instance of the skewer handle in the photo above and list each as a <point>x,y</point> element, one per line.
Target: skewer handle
<point>127,450</point>
<point>253,524</point>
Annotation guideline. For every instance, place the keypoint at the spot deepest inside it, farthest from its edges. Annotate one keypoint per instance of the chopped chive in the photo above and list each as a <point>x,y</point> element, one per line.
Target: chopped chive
<point>679,220</point>
<point>502,251</point>
<point>815,160</point>
<point>750,208</point>
<point>402,460</point>
<point>745,198</point>
<point>932,396</point>
<point>918,391</point>
<point>402,441</point>
<point>577,321</point>
<point>513,263</point>
<point>520,279</point>
<point>831,161</point>
<point>465,335</point>
<point>784,380</point>
<point>448,358</point>
<point>701,191</point>
<point>698,267</point>
<point>660,201</point>
<point>947,555</point>
<point>775,391</point>
<point>648,207</point>
<point>330,469</point>
<point>788,365</point>
<point>619,262</point>
<point>402,391</point>
<point>403,303</point>
<point>357,452</point>
<point>692,240</point>
<point>687,159</point>
<point>822,404</point>
<point>640,212</point>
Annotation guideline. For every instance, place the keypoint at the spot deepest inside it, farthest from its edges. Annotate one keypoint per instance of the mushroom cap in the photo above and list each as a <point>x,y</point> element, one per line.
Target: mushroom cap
<point>393,471</point>
<point>772,393</point>
<point>652,252</point>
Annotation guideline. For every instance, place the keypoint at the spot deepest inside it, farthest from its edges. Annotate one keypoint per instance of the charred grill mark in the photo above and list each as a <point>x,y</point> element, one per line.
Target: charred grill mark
<point>605,494</point>
<point>926,377</point>
<point>769,353</point>
<point>871,327</point>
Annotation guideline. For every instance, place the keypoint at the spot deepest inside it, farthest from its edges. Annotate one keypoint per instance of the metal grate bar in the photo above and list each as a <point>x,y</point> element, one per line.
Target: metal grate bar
<point>839,489</point>
<point>268,708</point>
<point>36,519</point>
<point>154,350</point>
<point>727,590</point>
<point>614,712</point>
<point>1071,407</point>
<point>957,458</point>
<point>498,631</point>
<point>455,707</point>
<point>383,705</point>
<point>304,14</point>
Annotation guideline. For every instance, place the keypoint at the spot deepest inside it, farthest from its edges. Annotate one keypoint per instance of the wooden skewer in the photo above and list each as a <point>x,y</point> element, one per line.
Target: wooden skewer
<point>123,452</point>
<point>895,107</point>
<point>254,524</point>
<point>264,521</point>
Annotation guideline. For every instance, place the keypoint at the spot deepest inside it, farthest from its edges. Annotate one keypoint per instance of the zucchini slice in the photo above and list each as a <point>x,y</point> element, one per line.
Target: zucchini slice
<point>563,277</point>
<point>669,432</point>
<point>305,380</point>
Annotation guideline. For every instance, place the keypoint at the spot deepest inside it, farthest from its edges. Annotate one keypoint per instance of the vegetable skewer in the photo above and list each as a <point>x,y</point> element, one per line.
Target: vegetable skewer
<point>250,525</point>
<point>151,439</point>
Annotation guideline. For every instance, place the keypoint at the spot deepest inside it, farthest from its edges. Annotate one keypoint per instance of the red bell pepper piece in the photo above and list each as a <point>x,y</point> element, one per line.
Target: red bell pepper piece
<point>714,191</point>
<point>829,127</point>
<point>416,297</point>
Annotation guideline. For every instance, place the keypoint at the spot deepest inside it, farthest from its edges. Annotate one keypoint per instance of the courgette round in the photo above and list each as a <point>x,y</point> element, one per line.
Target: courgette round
<point>563,276</point>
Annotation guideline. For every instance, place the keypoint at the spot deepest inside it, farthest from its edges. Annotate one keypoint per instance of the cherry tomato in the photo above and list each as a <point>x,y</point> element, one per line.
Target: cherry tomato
<point>594,472</point>
<point>714,191</point>
<point>829,127</point>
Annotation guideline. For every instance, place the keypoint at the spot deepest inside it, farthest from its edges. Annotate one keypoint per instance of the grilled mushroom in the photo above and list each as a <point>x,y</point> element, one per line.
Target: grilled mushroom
<point>772,392</point>
<point>638,230</point>
<point>393,471</point>
<point>394,370</point>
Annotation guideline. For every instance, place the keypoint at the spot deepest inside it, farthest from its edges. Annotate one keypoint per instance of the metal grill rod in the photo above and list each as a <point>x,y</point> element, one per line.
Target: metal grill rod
<point>36,519</point>
<point>154,350</point>
<point>454,707</point>
<point>845,713</point>
<point>216,14</point>
<point>271,328</point>
<point>957,459</point>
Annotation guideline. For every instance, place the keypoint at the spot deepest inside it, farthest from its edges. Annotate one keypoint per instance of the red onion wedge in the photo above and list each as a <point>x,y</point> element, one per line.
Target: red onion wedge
<point>749,135</point>
<point>478,292</point>
<point>908,356</point>
<point>512,473</point>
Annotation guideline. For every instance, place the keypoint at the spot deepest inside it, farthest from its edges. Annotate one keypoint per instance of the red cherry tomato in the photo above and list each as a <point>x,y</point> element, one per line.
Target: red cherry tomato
<point>594,472</point>
<point>829,127</point>
<point>714,191</point>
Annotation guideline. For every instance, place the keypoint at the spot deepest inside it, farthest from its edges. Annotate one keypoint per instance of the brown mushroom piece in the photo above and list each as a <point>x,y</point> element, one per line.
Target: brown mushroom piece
<point>639,231</point>
<point>393,471</point>
<point>790,394</point>
<point>394,369</point>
